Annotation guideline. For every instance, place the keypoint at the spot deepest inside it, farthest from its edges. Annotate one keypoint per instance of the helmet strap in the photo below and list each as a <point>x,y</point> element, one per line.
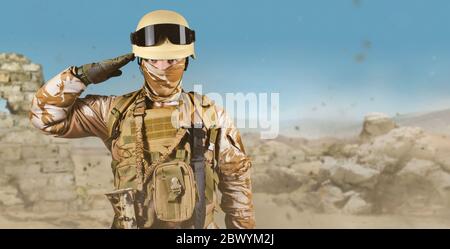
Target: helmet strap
<point>139,62</point>
<point>186,63</point>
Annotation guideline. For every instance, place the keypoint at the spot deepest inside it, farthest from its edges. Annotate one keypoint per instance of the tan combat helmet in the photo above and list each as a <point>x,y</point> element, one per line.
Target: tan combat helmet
<point>163,35</point>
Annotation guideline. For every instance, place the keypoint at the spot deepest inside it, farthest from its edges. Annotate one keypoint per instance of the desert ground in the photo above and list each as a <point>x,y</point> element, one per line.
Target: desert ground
<point>268,215</point>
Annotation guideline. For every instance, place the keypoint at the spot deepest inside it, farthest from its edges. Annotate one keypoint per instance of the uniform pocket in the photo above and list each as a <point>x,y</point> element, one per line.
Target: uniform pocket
<point>114,164</point>
<point>174,191</point>
<point>125,176</point>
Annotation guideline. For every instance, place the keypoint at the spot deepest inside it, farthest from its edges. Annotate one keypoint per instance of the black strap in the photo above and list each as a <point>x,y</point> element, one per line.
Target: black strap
<point>198,163</point>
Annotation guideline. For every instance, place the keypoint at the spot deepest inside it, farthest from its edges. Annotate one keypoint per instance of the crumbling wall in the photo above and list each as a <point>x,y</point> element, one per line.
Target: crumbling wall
<point>19,80</point>
<point>38,172</point>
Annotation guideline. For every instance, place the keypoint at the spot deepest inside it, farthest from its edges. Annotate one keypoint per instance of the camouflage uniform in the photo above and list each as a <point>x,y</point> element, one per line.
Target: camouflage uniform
<point>57,110</point>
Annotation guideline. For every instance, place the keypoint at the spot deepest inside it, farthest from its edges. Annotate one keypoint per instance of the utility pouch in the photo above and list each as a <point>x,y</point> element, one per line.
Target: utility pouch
<point>174,191</point>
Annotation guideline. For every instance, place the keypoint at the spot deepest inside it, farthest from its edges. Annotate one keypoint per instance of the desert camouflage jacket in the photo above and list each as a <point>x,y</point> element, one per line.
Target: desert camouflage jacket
<point>58,110</point>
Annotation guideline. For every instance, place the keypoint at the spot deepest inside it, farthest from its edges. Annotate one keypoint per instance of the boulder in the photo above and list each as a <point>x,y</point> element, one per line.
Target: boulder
<point>346,172</point>
<point>395,146</point>
<point>307,168</point>
<point>277,180</point>
<point>417,169</point>
<point>331,197</point>
<point>376,124</point>
<point>356,205</point>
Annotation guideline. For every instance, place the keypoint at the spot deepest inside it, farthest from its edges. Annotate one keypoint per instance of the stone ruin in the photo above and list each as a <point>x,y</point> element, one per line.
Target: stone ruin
<point>19,81</point>
<point>40,173</point>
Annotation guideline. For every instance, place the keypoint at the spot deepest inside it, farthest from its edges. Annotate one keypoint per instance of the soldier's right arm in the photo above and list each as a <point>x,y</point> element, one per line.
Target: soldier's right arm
<point>57,109</point>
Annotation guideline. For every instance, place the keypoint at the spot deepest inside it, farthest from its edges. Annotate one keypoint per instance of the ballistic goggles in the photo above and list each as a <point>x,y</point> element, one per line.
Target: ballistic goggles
<point>153,34</point>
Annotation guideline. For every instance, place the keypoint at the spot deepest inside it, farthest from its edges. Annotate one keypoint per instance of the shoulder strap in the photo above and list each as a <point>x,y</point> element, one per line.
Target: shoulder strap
<point>141,163</point>
<point>121,103</point>
<point>202,107</point>
<point>200,104</point>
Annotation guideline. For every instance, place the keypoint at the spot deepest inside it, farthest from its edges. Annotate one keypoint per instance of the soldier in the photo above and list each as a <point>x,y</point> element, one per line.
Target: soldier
<point>170,149</point>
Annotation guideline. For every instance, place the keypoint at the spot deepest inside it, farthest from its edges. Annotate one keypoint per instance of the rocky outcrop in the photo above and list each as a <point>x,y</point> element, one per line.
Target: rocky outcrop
<point>402,170</point>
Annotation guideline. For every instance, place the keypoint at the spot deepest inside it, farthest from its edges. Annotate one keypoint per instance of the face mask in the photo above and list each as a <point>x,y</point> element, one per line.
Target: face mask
<point>163,85</point>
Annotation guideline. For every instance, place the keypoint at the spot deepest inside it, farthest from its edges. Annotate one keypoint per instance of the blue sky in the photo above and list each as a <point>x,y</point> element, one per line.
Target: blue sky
<point>326,58</point>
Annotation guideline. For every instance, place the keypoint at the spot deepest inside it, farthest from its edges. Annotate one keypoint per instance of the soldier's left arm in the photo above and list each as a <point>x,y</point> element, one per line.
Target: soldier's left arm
<point>234,175</point>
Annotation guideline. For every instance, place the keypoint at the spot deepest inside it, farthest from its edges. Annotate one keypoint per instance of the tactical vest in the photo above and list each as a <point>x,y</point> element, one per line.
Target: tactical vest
<point>157,159</point>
